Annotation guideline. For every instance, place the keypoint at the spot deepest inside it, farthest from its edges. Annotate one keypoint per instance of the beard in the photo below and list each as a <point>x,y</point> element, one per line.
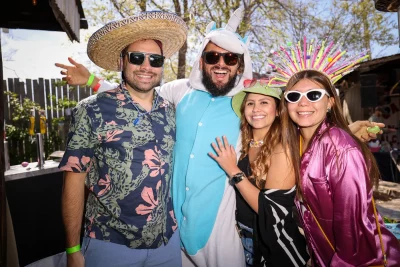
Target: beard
<point>215,90</point>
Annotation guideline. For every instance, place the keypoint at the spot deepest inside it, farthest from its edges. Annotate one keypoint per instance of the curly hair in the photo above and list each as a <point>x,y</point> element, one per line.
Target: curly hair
<point>260,166</point>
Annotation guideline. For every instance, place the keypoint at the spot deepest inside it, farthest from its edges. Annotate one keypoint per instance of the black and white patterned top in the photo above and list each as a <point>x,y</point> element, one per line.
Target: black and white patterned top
<point>279,239</point>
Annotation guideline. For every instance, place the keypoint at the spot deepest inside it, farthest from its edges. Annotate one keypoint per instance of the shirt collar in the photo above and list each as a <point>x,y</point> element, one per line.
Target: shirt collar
<point>124,98</point>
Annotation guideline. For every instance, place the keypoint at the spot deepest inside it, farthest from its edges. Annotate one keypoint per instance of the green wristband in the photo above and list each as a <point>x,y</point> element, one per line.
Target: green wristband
<point>91,79</point>
<point>73,249</point>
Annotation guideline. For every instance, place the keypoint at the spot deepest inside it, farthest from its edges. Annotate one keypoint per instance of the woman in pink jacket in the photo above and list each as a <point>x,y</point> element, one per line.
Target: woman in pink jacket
<point>337,173</point>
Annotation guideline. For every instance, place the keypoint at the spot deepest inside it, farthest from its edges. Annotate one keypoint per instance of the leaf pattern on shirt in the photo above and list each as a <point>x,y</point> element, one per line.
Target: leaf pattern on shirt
<point>111,135</point>
<point>128,173</point>
<point>154,161</point>
<point>106,183</point>
<point>175,225</point>
<point>148,196</point>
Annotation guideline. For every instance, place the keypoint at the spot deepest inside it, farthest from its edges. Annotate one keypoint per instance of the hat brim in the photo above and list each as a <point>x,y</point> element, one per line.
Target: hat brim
<point>237,100</point>
<point>105,45</point>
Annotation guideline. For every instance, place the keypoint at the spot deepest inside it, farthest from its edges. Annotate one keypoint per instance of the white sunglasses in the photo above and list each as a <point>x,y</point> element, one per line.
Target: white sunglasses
<point>312,95</point>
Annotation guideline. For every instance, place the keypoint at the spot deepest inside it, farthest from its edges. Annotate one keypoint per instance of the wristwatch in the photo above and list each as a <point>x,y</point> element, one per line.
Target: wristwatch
<point>237,178</point>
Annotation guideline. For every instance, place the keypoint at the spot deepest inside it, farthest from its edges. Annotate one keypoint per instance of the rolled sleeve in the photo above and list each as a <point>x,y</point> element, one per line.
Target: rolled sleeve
<point>81,142</point>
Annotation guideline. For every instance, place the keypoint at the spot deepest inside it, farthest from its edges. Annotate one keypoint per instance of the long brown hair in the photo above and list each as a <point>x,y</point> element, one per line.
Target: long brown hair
<point>260,166</point>
<point>334,118</point>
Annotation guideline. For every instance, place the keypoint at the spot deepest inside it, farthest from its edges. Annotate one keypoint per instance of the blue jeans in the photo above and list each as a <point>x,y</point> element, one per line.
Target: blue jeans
<point>246,235</point>
<point>98,253</point>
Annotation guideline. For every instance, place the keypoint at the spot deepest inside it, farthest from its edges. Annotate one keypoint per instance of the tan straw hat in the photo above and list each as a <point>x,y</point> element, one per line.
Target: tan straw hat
<point>105,45</point>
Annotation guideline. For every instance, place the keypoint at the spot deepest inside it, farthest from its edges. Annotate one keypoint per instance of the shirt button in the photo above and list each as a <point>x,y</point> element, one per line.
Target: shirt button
<point>212,99</point>
<point>184,218</point>
<point>156,140</point>
<point>200,124</point>
<point>187,188</point>
<point>191,156</point>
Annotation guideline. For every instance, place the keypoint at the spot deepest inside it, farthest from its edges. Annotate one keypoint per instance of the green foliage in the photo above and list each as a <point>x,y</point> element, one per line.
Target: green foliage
<point>57,121</point>
<point>22,112</point>
<point>111,76</point>
<point>17,133</point>
<point>357,24</point>
<point>389,220</point>
<point>54,140</point>
<point>61,103</point>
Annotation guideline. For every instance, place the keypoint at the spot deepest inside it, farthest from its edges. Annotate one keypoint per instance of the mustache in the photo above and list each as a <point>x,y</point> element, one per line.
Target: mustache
<point>220,68</point>
<point>144,72</point>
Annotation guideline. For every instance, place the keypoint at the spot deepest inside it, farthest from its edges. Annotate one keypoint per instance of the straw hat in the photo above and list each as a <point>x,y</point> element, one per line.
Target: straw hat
<point>105,45</point>
<point>258,88</point>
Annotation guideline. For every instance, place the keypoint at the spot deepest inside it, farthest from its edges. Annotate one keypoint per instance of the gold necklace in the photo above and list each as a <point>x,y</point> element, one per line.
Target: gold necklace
<point>256,143</point>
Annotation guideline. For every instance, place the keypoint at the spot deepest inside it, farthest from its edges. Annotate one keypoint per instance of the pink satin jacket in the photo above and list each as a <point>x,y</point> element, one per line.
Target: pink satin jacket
<point>335,184</point>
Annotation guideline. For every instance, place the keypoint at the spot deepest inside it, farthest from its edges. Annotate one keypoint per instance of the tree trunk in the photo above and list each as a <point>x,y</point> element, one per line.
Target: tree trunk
<point>366,28</point>
<point>182,62</point>
<point>182,52</point>
<point>142,5</point>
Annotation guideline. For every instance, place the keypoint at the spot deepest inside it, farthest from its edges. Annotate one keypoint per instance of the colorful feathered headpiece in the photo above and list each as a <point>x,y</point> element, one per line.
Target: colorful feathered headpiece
<point>329,59</point>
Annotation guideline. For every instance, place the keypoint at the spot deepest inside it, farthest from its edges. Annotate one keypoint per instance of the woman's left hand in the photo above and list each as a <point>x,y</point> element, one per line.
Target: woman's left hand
<point>226,156</point>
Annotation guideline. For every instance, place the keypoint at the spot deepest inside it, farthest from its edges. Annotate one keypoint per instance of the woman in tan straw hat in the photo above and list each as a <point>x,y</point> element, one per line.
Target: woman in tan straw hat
<point>264,180</point>
<point>120,146</point>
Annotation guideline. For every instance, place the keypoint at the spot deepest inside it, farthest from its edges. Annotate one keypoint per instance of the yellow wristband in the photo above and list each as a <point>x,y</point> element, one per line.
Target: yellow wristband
<point>73,249</point>
<point>90,80</point>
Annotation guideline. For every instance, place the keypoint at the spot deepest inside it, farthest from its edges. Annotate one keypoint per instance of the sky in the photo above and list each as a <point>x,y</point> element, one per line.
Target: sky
<point>32,54</point>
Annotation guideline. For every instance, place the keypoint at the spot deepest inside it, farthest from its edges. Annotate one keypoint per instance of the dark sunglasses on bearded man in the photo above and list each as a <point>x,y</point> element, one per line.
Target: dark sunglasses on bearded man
<point>212,57</point>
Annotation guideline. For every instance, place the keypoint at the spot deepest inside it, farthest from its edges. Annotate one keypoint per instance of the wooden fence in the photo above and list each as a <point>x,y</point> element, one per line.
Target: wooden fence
<point>49,94</point>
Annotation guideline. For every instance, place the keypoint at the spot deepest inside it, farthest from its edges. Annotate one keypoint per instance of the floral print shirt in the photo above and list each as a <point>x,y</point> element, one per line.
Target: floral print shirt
<point>127,154</point>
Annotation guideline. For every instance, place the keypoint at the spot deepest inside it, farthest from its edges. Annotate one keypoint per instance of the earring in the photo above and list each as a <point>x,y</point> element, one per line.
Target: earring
<point>328,110</point>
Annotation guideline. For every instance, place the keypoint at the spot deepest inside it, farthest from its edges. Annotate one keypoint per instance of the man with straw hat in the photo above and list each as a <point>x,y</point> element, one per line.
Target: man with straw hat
<point>120,146</point>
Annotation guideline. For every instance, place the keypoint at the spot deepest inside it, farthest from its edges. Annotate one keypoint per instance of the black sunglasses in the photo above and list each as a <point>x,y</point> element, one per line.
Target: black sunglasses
<point>137,58</point>
<point>212,58</point>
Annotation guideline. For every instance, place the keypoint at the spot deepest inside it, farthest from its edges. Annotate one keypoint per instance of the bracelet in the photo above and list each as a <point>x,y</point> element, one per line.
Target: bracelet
<point>97,86</point>
<point>90,80</point>
<point>73,249</point>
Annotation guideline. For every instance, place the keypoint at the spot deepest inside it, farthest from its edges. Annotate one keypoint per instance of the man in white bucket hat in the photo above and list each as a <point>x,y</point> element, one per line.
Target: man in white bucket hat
<point>120,146</point>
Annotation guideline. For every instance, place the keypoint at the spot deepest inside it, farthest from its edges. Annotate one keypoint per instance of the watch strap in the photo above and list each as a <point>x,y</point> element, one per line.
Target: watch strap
<point>237,178</point>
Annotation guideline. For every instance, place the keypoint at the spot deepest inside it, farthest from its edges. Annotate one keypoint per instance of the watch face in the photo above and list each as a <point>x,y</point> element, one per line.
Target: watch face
<point>237,178</point>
